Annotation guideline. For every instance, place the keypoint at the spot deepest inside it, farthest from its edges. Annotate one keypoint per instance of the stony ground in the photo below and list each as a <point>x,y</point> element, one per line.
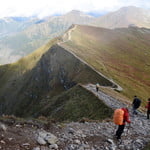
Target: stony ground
<point>85,135</point>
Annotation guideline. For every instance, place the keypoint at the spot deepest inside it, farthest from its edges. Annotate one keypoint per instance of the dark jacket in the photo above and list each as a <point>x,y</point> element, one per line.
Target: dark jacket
<point>126,116</point>
<point>136,103</point>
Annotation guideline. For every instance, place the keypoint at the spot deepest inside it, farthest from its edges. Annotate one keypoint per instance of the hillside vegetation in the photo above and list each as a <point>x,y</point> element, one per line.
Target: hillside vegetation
<point>121,54</point>
<point>75,104</point>
<point>49,71</point>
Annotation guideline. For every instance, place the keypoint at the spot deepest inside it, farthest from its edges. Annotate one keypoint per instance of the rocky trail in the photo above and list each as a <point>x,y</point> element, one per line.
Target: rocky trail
<point>136,134</point>
<point>87,135</point>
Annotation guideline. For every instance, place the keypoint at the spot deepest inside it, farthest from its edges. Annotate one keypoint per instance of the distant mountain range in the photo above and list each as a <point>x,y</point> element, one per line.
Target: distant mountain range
<point>12,25</point>
<point>124,17</point>
<point>21,36</point>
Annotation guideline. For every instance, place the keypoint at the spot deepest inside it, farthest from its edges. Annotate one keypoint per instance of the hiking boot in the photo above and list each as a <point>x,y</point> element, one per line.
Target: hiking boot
<point>115,136</point>
<point>119,141</point>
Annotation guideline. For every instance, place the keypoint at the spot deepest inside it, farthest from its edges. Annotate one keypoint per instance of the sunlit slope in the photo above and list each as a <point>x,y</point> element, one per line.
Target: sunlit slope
<point>121,54</point>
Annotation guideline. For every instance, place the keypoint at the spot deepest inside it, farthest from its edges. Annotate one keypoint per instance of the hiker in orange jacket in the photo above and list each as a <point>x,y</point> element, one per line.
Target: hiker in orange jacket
<point>121,127</point>
<point>148,108</point>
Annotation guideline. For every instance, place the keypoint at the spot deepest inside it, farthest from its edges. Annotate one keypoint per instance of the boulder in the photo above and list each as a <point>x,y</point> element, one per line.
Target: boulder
<point>44,137</point>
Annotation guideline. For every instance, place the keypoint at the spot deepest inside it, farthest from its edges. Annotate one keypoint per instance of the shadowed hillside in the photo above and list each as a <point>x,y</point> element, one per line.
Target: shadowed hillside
<point>121,54</point>
<point>74,104</point>
<point>48,72</point>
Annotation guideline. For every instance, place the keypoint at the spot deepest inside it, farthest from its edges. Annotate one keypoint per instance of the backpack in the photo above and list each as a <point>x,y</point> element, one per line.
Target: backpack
<point>137,103</point>
<point>97,85</point>
<point>118,116</point>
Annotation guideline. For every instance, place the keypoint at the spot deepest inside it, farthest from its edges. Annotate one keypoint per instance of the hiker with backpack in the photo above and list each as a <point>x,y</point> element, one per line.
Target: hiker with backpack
<point>121,116</point>
<point>148,108</point>
<point>136,104</point>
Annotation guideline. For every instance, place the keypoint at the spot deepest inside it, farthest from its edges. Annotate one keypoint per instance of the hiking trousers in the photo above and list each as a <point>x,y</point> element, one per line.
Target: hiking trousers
<point>148,113</point>
<point>97,89</point>
<point>134,110</point>
<point>119,131</point>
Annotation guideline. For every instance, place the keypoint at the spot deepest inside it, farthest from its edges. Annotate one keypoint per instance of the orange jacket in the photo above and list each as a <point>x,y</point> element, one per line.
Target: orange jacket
<point>126,116</point>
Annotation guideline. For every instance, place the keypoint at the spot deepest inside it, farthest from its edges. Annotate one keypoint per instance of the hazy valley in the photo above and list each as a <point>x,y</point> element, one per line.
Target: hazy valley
<point>21,36</point>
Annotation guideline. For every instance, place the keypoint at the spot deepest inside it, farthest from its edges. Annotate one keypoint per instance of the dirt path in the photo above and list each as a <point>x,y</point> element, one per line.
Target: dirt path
<point>67,37</point>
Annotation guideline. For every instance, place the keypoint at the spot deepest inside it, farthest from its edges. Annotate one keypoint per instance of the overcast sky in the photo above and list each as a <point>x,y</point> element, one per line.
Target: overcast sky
<point>44,8</point>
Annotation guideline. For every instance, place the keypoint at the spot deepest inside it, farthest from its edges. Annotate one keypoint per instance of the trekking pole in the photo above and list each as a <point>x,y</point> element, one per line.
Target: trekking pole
<point>128,128</point>
<point>115,128</point>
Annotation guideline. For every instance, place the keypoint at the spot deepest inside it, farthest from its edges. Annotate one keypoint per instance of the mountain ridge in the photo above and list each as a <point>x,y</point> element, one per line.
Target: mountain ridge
<point>39,32</point>
<point>50,73</point>
<point>53,82</point>
<point>100,47</point>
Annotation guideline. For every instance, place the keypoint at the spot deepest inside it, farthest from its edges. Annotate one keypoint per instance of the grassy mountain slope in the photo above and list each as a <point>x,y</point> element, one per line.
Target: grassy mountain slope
<point>121,54</point>
<point>47,72</point>
<point>75,104</point>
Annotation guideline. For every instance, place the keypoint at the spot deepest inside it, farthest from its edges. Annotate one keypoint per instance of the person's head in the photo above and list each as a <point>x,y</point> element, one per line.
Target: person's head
<point>148,99</point>
<point>135,96</point>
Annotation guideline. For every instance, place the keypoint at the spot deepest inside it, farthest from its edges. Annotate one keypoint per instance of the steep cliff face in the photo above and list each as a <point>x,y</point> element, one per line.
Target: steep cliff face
<point>56,71</point>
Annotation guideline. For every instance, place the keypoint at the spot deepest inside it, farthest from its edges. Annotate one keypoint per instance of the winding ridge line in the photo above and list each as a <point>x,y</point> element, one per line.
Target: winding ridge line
<point>68,35</point>
<point>137,134</point>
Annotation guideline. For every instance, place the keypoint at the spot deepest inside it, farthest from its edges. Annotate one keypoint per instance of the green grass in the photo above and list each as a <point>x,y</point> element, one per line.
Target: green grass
<point>147,147</point>
<point>75,104</point>
<point>13,72</point>
<point>49,71</point>
<point>120,54</point>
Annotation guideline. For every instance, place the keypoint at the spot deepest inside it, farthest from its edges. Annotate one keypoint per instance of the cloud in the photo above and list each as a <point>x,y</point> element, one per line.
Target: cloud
<point>46,7</point>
